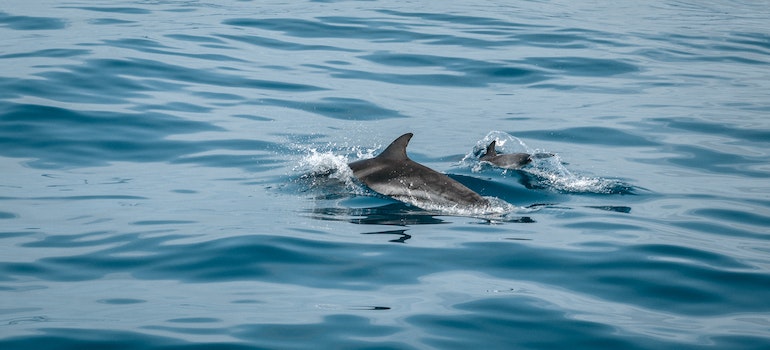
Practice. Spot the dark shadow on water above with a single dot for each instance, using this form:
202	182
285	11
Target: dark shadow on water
402	233
30	23
617	209
398	214
338	108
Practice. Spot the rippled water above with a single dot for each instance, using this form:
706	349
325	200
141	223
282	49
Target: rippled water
173	174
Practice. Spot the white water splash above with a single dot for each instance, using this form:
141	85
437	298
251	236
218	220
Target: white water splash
551	173
327	173
546	169
505	143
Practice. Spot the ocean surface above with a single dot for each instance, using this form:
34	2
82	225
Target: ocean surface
173	174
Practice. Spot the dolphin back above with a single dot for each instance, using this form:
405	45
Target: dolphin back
393	174
505	161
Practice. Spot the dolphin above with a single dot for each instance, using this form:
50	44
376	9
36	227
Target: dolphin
505	161
393	174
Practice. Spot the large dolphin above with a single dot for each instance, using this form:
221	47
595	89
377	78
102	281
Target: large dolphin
393	174
506	161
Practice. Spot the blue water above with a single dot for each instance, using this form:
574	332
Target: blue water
172	174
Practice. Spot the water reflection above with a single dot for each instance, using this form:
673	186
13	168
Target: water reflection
401	233
401	214
398	214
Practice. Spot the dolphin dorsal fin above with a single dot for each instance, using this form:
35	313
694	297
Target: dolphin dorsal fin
397	148
491	152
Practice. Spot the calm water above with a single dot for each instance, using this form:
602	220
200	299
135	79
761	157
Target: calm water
172	174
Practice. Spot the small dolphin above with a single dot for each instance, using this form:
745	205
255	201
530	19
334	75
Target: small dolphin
393	174
505	161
